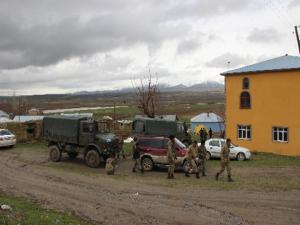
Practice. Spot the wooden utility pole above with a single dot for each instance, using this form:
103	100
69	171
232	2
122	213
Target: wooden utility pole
297	37
114	116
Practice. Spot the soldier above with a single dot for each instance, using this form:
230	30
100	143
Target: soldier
121	147
203	135
171	155
210	133
136	155
191	157
225	160
111	164
202	158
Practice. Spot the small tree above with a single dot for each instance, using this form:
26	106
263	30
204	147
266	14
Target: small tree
148	96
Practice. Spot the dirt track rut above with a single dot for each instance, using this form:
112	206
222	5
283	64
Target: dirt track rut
103	200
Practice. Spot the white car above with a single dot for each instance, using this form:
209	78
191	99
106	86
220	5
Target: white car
7	139
214	146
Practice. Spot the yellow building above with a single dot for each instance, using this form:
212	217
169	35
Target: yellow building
263	105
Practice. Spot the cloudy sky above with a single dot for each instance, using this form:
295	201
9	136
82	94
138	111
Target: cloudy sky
60	46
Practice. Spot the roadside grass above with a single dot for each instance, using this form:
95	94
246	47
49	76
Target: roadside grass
25	212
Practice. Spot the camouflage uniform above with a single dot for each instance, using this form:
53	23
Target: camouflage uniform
202	159
225	162
171	155
111	165
136	155
191	157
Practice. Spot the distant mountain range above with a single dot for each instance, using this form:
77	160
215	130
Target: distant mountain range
200	87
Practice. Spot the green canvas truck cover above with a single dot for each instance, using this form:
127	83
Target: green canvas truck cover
149	126
62	128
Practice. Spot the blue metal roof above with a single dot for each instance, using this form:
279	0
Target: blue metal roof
208	117
281	63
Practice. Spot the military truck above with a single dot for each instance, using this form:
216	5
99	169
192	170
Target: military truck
75	135
160	127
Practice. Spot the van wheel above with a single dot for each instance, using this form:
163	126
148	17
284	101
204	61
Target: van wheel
54	153
72	155
92	158
147	164
241	156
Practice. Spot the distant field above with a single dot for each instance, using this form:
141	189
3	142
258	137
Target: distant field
184	111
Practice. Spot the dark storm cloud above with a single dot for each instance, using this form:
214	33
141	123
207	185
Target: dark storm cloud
41	33
294	3
201	8
235	60
44	44
267	35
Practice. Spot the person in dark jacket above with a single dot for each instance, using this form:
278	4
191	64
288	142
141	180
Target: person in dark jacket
136	155
210	132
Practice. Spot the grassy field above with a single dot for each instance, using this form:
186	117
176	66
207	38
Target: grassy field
184	111
27	213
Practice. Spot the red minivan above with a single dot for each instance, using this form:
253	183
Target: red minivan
154	152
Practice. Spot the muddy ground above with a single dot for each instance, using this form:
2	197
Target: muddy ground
129	198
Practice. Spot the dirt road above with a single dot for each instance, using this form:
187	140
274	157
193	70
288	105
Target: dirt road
104	200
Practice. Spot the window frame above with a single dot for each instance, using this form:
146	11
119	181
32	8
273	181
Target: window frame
246	132
250	102
287	134
244	86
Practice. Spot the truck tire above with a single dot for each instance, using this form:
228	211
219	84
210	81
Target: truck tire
54	153
72	155
92	158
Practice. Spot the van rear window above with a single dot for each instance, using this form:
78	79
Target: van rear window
151	143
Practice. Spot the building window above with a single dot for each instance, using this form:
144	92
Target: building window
246	83
245	100
244	132
280	134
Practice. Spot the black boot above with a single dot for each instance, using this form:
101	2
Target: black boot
217	176
187	174
142	170
230	179
133	170
197	175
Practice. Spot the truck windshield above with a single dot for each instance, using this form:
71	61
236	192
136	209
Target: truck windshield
103	127
88	127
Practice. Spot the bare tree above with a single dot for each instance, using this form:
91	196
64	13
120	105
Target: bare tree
148	96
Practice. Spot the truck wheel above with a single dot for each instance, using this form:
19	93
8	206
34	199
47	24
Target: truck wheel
92	158
54	153
72	155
